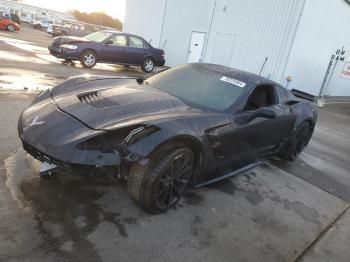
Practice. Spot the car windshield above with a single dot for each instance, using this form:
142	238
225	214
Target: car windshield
199	84
98	36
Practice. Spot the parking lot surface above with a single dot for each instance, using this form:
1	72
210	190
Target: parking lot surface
279	211
26	62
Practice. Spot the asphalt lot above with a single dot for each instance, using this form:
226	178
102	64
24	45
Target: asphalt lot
277	212
26	63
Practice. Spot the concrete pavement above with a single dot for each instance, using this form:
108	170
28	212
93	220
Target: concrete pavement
333	245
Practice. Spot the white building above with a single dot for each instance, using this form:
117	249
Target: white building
30	13
298	37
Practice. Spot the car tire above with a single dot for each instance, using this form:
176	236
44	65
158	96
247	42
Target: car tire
88	58
158	185
11	28
298	142
148	65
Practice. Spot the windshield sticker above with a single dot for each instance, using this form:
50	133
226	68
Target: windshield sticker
233	81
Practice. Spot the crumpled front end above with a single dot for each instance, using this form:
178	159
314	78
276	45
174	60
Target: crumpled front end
53	136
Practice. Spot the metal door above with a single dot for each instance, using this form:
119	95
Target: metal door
195	50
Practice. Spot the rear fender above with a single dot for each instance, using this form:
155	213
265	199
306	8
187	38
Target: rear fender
307	113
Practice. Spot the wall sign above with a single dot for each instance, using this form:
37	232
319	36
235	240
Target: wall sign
339	54
346	70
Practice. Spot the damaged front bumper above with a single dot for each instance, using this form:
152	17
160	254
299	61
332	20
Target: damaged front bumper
51	136
55	137
84	158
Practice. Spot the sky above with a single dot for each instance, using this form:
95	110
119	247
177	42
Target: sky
114	8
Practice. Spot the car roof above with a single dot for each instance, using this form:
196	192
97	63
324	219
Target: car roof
128	34
122	33
113	31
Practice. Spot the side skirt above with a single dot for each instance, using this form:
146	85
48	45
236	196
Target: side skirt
230	174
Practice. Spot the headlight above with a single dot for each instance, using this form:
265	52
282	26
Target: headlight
91	144
44	94
73	47
112	140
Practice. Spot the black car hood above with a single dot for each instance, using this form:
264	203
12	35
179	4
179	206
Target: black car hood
112	107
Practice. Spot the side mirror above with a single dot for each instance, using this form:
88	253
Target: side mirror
262	112
108	42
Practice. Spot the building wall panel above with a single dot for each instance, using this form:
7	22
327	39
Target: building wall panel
181	18
144	18
323	29
263	29
297	36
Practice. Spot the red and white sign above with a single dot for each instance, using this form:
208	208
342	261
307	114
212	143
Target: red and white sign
346	71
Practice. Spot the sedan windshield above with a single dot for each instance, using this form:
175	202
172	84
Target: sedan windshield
98	36
200	85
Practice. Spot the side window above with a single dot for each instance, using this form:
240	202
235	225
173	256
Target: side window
119	40
136	42
89	28
282	94
262	96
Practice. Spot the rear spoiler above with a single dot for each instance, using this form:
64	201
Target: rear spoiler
303	95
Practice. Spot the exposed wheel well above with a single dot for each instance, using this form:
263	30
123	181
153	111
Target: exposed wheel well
150	58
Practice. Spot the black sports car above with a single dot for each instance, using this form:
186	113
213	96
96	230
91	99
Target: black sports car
194	124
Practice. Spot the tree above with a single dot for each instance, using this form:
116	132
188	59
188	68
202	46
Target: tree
98	18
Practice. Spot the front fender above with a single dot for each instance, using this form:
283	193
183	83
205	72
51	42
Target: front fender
149	144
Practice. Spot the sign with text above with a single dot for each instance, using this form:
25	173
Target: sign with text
346	71
339	55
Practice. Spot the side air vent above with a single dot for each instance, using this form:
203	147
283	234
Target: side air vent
88	98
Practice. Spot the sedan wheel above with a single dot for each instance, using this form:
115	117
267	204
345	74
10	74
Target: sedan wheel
11	28
88	59
159	188
148	65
